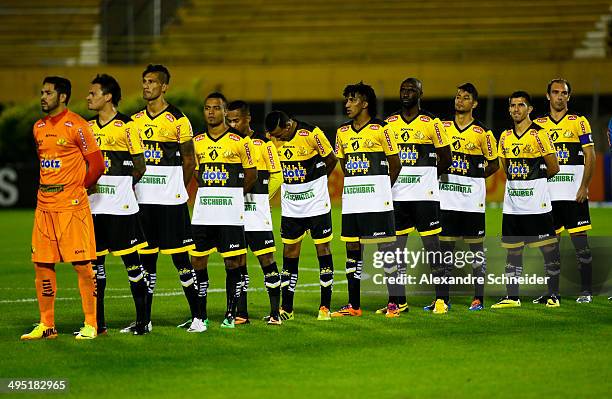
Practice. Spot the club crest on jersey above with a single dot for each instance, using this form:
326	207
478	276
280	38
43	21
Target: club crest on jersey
459	165
518	170
470	146
528	149
51	164
568	135
357	165
408	155
61	141
294	173
153	153
214	175
563	154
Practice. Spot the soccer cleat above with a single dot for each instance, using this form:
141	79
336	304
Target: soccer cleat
584	299
542	299
130	329
476	305
347	310
228	321
392	311
284	315
186	324
324	314
40	331
197	326
432	306
403	307
242	320
87	332
440	307
141	329
553	302
507	303
102	330
273	320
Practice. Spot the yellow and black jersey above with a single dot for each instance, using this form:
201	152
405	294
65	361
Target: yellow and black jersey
571	134
472	146
302	156
162	135
221	161
364	151
526	189
267	162
418	138
118	142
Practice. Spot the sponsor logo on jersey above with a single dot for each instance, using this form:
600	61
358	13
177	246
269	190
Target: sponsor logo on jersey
520	192
41	124
214	175
319	144
107	163
438	133
50	163
360	189
69	123
149	133
541	120
447	124
153	153
118	123
170	117
456	187
374	127
304	195
154	179
271	158
355	145
572	117
562	178
234	137
344	128
456	145
518	170
247	150
424	118
216	200
408	155
459	165
516	151
357	165
288	154
106	189
303	133
294	173
478	129
83	141
409	179
563	154
554	136
388	139
250	206
392	118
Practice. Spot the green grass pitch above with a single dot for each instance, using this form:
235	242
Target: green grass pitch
532	352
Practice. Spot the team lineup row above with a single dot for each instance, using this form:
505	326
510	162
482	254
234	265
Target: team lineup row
118	184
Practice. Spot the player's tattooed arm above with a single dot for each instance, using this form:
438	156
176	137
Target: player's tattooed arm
589	166
140	166
445	158
330	163
250	177
492	167
395	166
552	165
189	162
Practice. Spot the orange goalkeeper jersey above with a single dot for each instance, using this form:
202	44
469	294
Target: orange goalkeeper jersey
62	142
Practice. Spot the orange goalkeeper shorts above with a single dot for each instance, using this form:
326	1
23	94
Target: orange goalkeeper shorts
63	236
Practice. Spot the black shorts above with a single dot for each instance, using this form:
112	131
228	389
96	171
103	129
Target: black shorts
424	216
167	228
571	216
368	227
534	230
467	225
227	240
260	242
294	230
118	234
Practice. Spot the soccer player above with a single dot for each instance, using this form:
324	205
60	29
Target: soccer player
226	171
70	163
569	189
162	191
307	159
425	154
528	157
369	159
257	218
463	189
113	202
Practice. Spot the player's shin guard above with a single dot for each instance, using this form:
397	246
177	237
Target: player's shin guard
87	287
289	277
354	265
438	267
479	270
242	303
233	289
514	269
202	278
100	271
138	285
326	279
552	267
46	287
585	262
272	281
188	281
149	263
